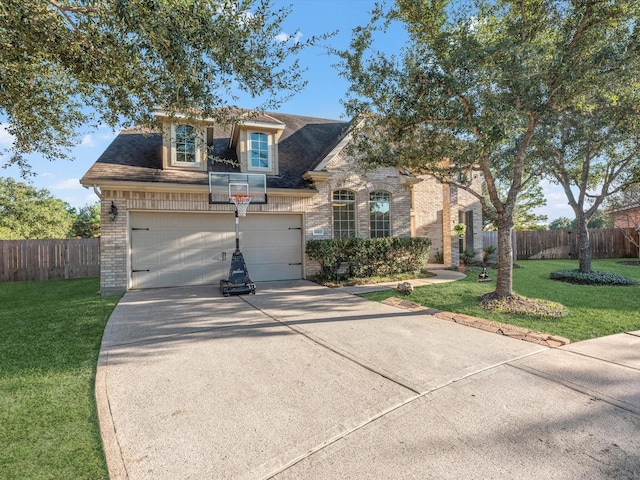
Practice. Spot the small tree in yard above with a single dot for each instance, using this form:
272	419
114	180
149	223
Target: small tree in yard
470	91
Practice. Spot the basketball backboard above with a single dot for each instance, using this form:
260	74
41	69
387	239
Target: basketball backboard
223	185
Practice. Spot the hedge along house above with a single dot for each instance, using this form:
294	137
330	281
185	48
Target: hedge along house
159	229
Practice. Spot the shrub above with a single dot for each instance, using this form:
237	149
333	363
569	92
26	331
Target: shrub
593	278
468	255
369	257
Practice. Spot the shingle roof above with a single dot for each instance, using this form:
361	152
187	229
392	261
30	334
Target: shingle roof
136	155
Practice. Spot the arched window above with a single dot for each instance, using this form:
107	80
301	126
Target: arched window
185	144
344	214
259	151
379	214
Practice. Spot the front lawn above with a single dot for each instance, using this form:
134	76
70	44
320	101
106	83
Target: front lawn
50	335
592	311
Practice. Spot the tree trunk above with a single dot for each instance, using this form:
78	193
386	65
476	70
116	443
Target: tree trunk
504	280
584	248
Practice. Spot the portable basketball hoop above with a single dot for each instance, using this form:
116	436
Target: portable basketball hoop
241	202
241	189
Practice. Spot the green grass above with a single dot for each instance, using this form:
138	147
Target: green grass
50	335
592	311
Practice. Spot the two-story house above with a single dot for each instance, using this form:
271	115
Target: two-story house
159	228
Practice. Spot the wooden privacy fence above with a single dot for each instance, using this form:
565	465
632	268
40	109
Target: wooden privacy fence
563	244
22	260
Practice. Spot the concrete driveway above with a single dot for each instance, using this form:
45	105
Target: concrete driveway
305	382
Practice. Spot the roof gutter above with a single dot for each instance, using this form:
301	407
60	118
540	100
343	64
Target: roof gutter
184	188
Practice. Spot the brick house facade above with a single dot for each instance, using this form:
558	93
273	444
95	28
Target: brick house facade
158	199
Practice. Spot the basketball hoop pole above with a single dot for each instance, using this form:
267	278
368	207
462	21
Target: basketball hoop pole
237	231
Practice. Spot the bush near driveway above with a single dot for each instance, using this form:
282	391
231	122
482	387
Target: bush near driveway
369	257
50	334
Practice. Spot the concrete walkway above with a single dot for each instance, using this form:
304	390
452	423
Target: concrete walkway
442	275
305	382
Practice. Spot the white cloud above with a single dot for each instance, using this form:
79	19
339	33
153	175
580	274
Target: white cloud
87	141
91	198
6	139
67	184
285	37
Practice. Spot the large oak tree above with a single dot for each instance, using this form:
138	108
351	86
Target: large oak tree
472	86
69	65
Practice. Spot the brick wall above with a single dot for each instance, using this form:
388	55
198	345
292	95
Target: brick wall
424	217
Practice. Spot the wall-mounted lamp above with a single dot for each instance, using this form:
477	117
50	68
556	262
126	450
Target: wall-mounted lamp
113	212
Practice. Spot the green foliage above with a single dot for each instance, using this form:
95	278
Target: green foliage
562	223
475	83
460	229
86	223
468	255
488	250
28	213
599	220
592	278
529	198
369	257
50	336
439	256
69	65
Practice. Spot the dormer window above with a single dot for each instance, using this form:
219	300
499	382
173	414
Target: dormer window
188	146
255	141
185	144
259	151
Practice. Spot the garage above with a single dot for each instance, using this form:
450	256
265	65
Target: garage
177	249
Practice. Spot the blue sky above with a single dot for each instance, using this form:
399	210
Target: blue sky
321	98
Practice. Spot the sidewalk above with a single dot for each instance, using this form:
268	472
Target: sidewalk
443	275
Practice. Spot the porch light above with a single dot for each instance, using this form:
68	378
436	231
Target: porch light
113	212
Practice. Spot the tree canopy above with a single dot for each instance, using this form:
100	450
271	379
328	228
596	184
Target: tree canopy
69	65
473	85
86	221
28	213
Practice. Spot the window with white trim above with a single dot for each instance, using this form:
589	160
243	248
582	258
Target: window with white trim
259	151
344	214
379	214
185	150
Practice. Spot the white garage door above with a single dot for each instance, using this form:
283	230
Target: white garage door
175	249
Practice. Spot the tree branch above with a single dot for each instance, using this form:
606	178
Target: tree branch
63	9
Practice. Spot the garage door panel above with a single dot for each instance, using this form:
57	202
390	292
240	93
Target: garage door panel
271	256
269	272
196	248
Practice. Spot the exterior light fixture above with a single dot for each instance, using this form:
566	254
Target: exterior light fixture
113	212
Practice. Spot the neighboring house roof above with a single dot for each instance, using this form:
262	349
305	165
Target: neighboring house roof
136	155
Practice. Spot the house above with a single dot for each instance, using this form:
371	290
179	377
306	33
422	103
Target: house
159	228
626	213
